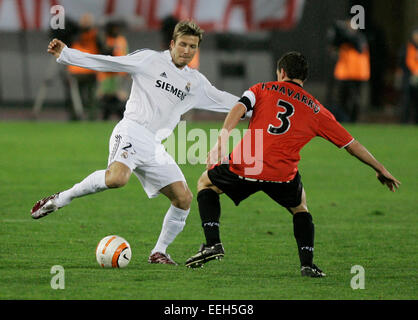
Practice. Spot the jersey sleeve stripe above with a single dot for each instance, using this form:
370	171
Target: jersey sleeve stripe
346	145
137	51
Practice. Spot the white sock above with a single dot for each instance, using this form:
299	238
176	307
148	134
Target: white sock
174	222
94	183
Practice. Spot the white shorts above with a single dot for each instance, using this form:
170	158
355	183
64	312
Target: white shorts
137	148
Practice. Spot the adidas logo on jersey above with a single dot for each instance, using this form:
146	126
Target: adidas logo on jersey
164	75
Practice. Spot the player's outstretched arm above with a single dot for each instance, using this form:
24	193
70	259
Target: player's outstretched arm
360	152
55	47
97	62
231	121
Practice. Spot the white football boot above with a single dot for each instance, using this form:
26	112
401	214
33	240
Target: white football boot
44	207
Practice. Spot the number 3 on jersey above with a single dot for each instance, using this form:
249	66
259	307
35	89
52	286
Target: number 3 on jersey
284	117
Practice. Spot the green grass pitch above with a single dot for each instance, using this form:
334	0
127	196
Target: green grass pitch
357	220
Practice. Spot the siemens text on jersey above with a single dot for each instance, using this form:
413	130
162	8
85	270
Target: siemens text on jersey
170	88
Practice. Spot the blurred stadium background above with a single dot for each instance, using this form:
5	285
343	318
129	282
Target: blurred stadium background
242	42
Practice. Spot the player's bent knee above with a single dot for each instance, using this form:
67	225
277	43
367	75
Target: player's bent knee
203	182
116	182
300	208
184	200
115	179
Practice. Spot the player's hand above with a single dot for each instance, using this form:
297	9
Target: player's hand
213	156
387	179
216	154
55	47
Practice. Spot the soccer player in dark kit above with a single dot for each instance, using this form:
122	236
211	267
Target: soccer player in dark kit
288	117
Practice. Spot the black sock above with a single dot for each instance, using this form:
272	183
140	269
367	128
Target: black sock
304	232
210	212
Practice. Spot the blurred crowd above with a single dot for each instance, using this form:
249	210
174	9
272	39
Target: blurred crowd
407	74
355	65
356	58
94	95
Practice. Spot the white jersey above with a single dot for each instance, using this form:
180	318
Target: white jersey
160	91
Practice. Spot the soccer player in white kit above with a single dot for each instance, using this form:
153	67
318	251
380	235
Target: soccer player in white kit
163	89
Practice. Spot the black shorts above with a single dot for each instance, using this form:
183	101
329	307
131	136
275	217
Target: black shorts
287	194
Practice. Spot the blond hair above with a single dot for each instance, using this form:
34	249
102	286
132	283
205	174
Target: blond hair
187	28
